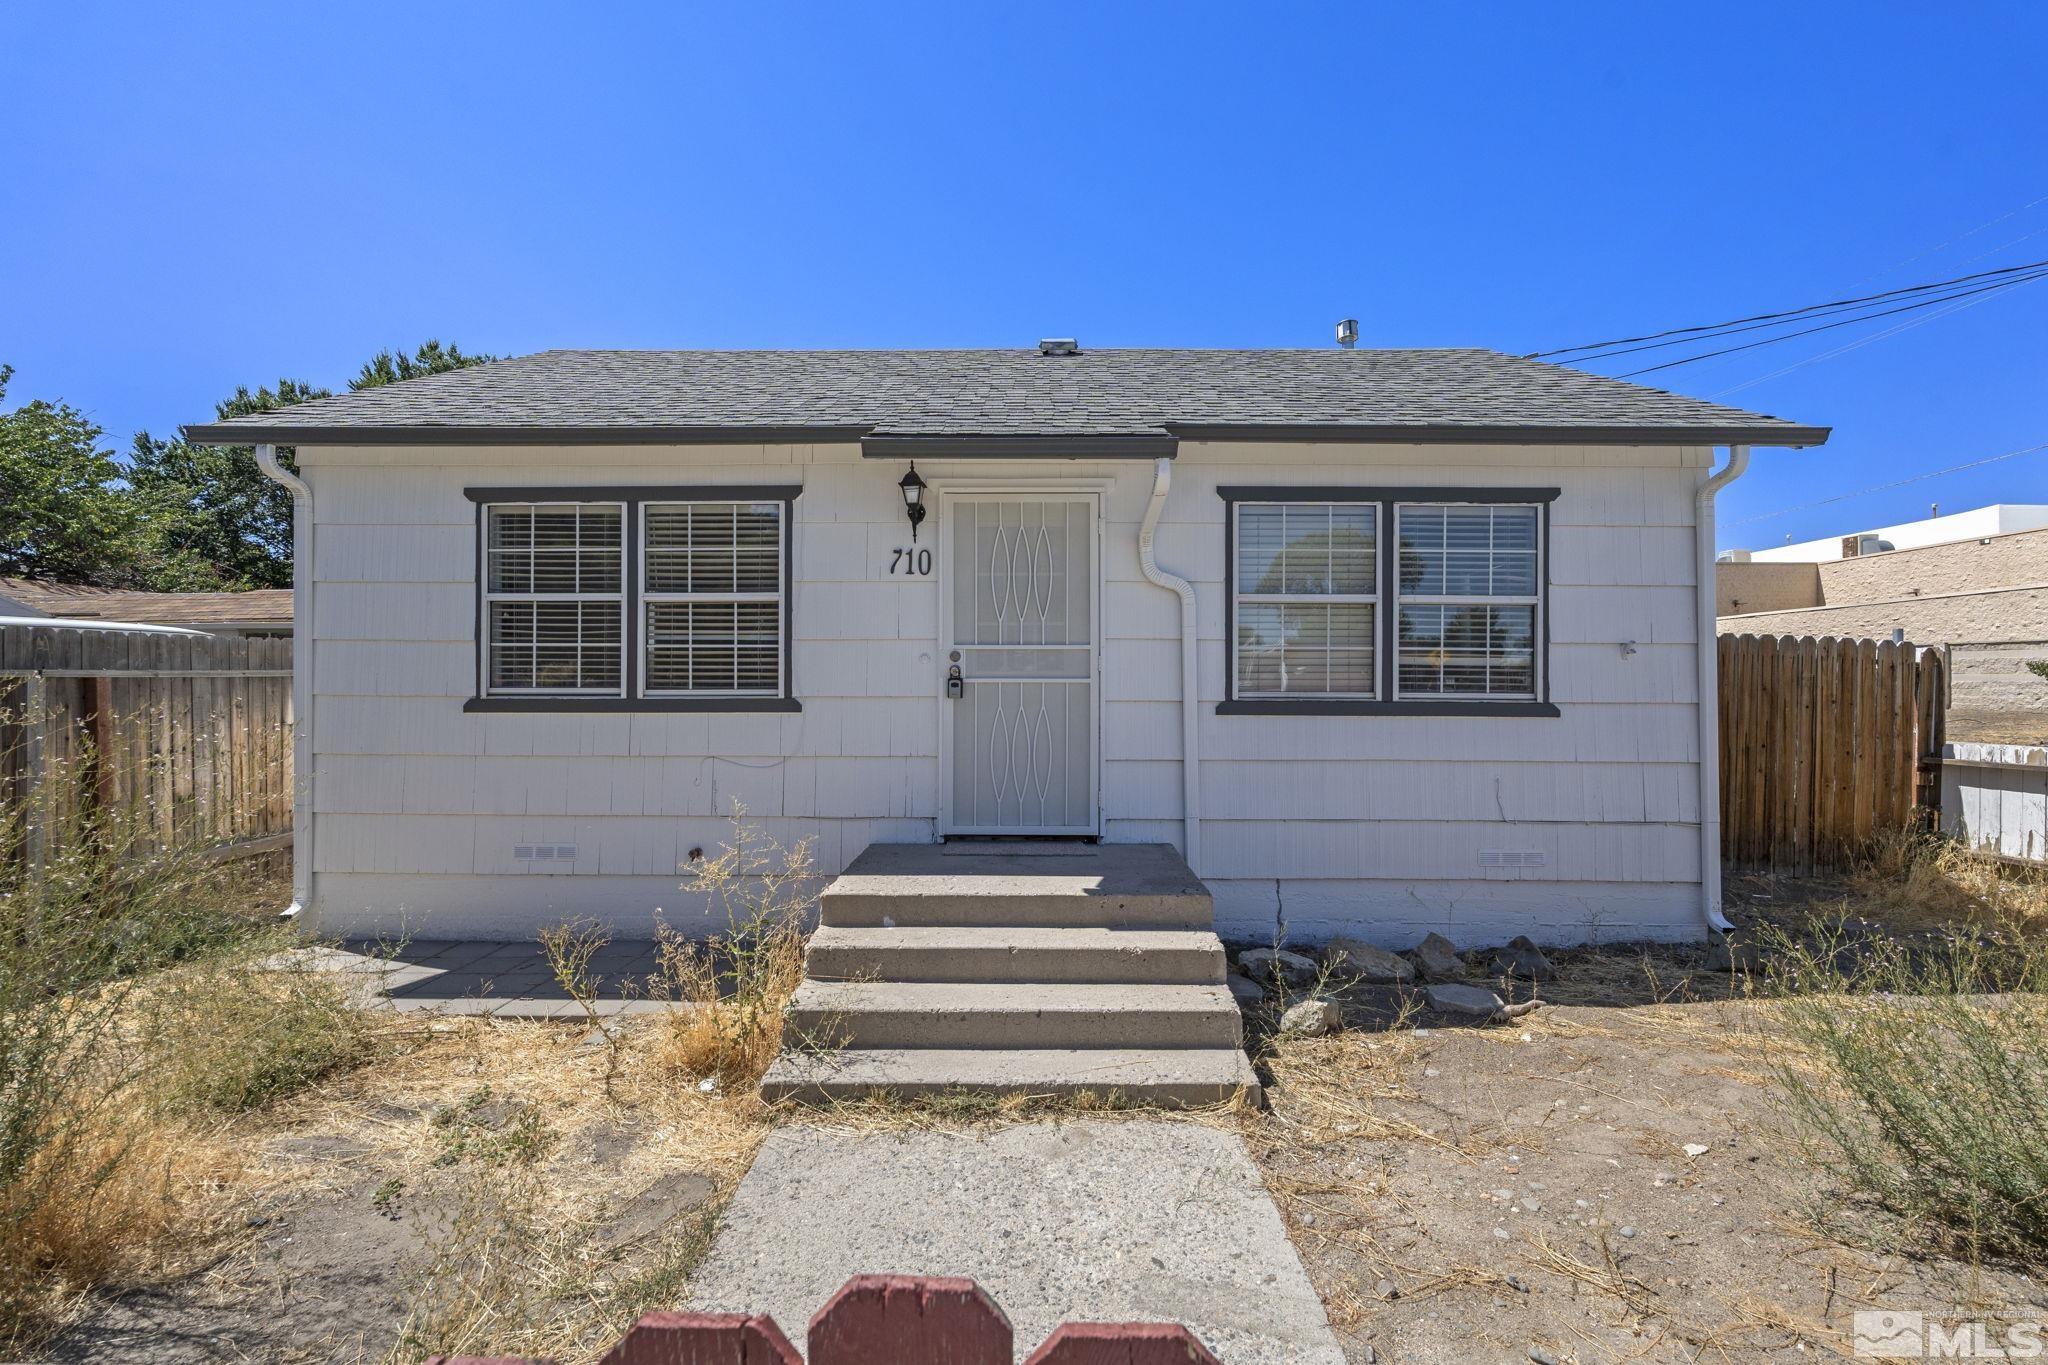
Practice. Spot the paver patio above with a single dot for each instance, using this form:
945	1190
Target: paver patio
505	980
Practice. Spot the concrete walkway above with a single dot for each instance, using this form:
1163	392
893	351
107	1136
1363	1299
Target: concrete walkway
504	980
1103	1220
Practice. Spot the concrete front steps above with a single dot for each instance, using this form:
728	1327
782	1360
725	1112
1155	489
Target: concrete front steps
1044	969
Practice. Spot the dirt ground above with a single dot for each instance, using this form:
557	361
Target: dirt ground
1606	1179
1602	1181
480	1180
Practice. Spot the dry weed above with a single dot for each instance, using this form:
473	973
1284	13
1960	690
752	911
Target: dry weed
735	984
1915	881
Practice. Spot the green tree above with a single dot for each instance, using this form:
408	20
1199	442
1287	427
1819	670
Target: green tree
432	358
63	514
215	520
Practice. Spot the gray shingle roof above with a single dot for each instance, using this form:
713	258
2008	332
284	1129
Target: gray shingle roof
1113	396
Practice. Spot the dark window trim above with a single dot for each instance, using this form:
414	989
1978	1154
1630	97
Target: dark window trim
1387	497
632	496
1339	706
602	705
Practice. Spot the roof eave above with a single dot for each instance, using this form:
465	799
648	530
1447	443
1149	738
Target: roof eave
236	434
1785	435
1114	445
1144	445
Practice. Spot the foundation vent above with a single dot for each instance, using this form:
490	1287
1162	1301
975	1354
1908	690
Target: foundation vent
1511	857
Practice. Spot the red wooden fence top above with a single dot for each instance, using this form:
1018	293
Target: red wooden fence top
1122	1343
910	1320
887	1320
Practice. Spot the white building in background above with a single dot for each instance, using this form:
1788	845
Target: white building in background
2001	518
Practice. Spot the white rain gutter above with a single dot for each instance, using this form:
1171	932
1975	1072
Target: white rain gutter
1706	694
1190	688
302	682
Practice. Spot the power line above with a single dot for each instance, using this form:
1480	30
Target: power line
1883	487
1858	343
1790	313
1779	320
1845	322
1940	247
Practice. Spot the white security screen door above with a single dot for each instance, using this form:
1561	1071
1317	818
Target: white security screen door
1021	610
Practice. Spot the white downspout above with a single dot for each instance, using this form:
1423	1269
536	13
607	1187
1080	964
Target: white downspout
1707	694
302	684
1190	681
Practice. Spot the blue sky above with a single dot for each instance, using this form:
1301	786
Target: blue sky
200	195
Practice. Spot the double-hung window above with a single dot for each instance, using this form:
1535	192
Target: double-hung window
636	599
1307	598
712	595
1361	601
554	599
1468	600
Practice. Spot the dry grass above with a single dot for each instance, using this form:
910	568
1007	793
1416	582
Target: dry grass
735	986
519	1264
1916	882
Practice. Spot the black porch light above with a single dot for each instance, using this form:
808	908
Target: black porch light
913	499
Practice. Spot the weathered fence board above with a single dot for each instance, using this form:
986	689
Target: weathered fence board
186	735
1826	744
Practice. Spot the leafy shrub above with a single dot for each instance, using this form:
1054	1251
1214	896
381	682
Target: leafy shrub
127	978
1921	1079
233	1034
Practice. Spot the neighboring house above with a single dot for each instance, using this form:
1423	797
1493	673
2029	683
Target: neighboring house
262	612
1974	582
1440	612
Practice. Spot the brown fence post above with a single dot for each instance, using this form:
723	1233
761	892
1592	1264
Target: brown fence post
910	1320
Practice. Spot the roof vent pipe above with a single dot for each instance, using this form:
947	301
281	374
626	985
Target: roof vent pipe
1059	346
1347	333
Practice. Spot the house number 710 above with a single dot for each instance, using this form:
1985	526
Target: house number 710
912	561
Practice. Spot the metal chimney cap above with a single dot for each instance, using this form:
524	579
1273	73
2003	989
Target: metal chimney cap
1059	346
1347	332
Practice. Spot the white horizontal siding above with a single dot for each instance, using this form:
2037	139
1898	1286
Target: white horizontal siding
1376	789
426	801
1423	850
1397	914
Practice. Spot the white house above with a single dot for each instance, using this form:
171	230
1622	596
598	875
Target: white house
1384	642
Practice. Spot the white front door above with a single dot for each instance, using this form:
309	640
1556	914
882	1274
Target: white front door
1021	614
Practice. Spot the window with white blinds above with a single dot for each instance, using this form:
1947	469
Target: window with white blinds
712	598
554	599
1468	600
1414	601
1307	598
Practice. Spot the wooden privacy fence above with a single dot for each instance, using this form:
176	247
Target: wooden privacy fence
185	738
1826	745
887	1320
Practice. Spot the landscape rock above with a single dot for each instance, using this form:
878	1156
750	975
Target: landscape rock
1474	1001
1247	992
1522	958
1437	959
1367	962
1262	964
1734	955
1312	1019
